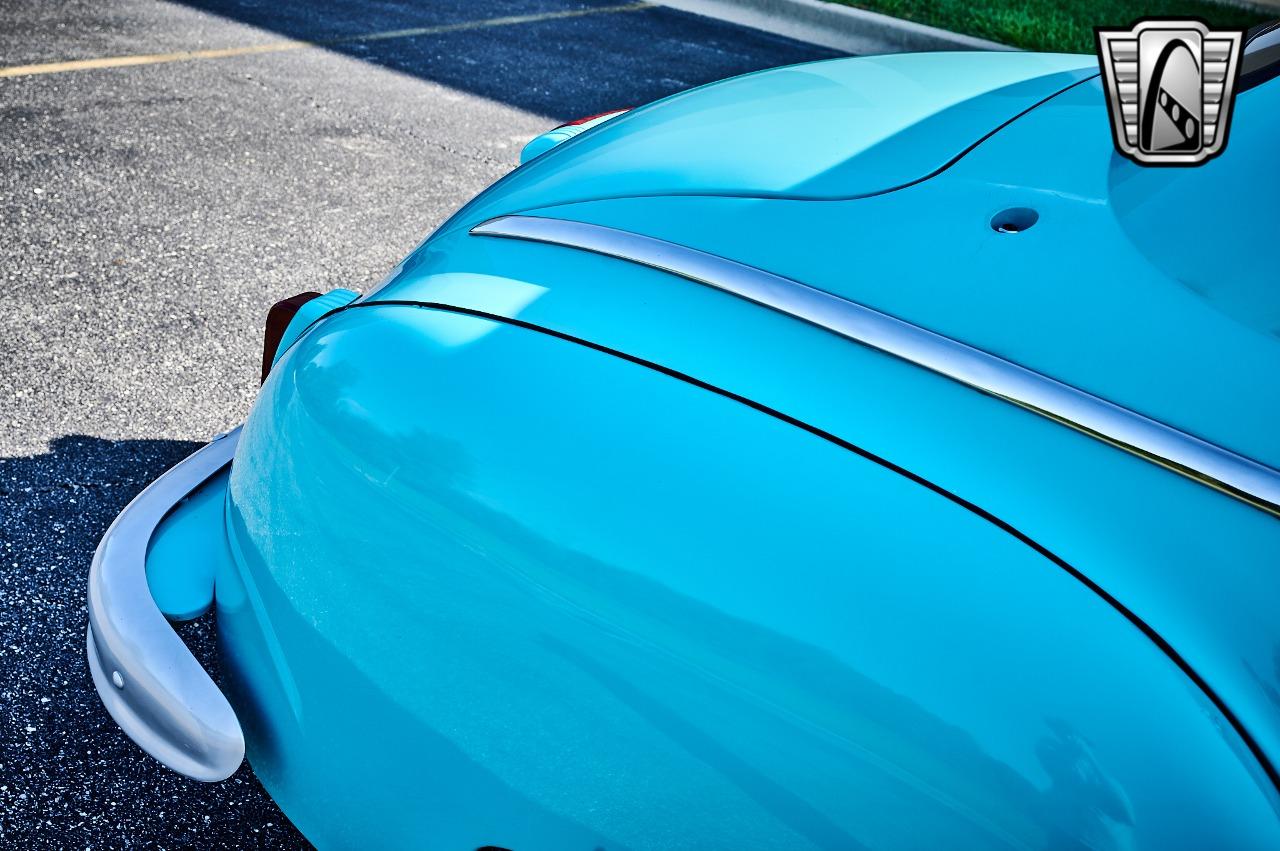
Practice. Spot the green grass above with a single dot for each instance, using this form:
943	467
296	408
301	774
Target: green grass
1058	26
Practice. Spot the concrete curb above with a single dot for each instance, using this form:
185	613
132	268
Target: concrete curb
834	25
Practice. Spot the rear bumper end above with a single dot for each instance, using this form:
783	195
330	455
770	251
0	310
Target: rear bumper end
148	680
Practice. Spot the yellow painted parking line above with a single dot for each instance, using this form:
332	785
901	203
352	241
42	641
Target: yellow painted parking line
279	46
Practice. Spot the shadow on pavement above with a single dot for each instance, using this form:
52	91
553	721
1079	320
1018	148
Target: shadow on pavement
68	776
563	68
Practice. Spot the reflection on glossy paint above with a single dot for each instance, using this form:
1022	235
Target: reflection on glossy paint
1085	806
822	130
362	765
1211	228
492	294
536	597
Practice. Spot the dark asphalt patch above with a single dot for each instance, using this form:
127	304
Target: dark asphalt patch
149	216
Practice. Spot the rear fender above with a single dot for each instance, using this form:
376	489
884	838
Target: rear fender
530	593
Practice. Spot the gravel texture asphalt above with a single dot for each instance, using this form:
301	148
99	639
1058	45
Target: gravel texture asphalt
150	214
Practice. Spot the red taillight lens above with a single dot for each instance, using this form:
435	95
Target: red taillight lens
578	121
278	319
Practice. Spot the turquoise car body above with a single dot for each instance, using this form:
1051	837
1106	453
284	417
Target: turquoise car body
536	548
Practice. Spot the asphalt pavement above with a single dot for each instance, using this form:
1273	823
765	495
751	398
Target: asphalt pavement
149	215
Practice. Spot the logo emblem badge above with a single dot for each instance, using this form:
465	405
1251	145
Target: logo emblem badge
1170	87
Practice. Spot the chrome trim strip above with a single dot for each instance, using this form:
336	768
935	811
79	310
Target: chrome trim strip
147	678
1241	477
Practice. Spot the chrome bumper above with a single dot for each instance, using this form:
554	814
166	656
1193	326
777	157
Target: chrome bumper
147	678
